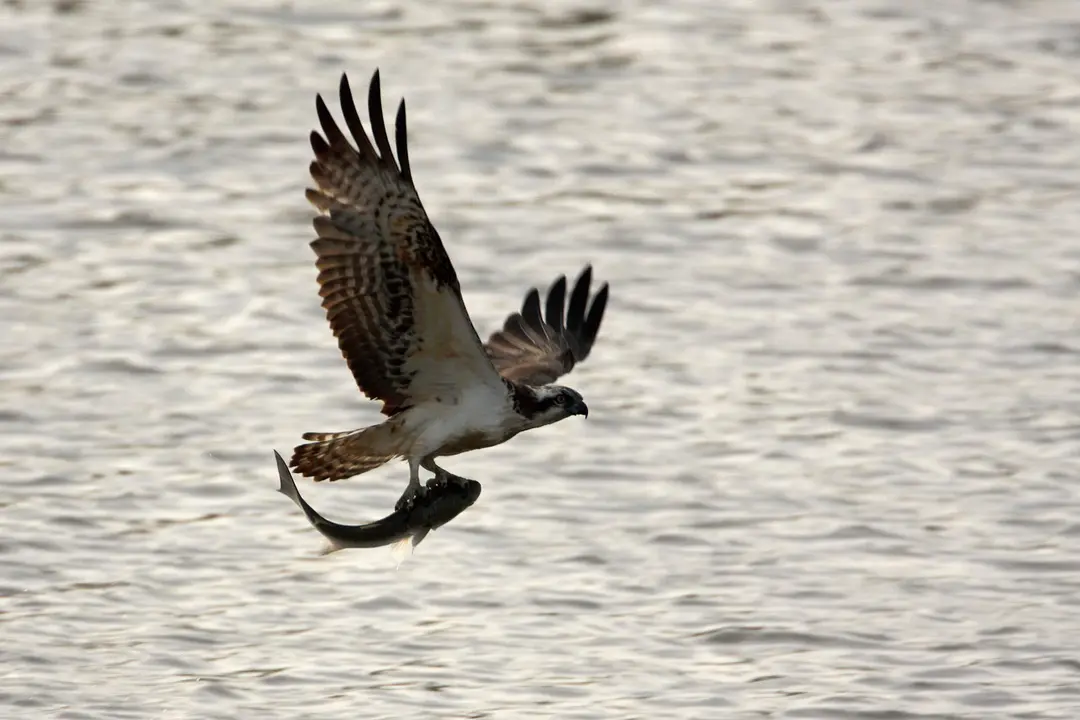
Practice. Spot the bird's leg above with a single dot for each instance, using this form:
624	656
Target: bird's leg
428	464
441	476
413	488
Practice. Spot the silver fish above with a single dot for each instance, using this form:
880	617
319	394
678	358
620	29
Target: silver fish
442	500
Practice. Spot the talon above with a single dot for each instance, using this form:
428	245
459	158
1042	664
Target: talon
409	497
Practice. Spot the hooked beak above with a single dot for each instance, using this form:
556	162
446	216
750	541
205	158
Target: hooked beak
580	408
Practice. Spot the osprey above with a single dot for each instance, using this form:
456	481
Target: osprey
394	304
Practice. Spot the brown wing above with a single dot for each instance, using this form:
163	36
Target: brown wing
388	287
534	350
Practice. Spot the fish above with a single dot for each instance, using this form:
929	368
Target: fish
443	498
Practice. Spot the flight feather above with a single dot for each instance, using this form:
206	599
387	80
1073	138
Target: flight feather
389	290
535	350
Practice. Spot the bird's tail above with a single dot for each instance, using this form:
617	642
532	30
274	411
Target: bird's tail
336	456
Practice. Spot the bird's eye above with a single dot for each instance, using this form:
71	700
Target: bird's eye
560	399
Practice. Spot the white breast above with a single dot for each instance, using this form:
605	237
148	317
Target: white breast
480	416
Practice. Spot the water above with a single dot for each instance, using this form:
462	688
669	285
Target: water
830	467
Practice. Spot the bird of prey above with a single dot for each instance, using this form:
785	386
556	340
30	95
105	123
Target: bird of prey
394	304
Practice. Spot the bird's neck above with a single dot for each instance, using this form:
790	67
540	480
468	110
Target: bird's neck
526	403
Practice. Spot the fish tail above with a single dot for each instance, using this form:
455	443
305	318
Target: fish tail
287	486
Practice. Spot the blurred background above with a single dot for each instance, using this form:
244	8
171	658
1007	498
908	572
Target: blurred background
830	466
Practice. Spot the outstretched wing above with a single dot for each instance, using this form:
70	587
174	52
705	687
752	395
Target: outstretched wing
388	287
535	350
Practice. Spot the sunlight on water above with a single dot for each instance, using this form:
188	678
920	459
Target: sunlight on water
829	468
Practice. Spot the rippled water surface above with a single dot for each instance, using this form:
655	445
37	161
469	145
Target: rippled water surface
831	465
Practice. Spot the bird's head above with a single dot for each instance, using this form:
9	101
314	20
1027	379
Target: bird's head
555	403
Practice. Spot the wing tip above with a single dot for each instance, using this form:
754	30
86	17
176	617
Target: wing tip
378	122
530	311
579	300
344	89
326	121
378	147
590	328
375	87
603	291
402	137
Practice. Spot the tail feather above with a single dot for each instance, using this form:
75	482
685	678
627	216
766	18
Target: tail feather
336	456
